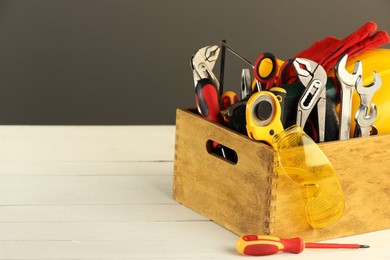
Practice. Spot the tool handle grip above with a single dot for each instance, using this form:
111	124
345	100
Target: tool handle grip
208	100
293	245
259	245
228	98
281	95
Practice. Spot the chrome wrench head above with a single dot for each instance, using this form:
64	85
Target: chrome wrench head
347	82
364	121
344	76
367	92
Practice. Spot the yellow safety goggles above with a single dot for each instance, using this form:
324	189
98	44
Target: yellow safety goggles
304	163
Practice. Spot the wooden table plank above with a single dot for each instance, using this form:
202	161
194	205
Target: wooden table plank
98	213
85	190
113	240
86	143
77	192
106	231
159	241
81	168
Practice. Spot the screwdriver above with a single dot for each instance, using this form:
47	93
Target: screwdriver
261	245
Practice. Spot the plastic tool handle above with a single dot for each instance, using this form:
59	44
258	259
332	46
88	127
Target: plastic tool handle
208	100
228	98
281	95
258	245
265	69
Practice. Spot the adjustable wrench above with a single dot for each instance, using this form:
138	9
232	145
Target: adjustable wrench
348	82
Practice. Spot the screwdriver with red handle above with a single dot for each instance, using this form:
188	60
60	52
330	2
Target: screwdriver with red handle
261	245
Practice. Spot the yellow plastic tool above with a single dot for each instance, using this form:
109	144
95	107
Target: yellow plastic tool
265	70
262	115
375	60
304	163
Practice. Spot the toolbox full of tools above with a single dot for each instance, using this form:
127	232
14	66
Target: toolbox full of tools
301	150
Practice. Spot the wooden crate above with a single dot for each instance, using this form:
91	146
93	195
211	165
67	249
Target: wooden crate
249	197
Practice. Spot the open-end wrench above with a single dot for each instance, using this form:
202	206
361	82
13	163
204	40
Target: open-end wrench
347	82
367	92
364	121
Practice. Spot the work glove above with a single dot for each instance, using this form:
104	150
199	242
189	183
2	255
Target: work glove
329	50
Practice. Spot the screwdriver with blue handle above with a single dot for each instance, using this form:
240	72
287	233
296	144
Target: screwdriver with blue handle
261	245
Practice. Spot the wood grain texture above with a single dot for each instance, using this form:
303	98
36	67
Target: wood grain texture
234	196
83	143
245	196
65	202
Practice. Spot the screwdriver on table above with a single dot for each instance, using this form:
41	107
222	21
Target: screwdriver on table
261	245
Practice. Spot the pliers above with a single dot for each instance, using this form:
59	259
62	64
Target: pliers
203	62
313	77
207	88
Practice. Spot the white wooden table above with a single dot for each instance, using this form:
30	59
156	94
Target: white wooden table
105	192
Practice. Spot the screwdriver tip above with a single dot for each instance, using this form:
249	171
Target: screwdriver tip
364	246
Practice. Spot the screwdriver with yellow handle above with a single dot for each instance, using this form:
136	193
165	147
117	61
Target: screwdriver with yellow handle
261	245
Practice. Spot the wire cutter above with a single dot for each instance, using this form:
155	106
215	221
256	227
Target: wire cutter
313	77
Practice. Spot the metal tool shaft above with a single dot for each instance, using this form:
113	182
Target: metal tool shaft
347	82
237	54
345	116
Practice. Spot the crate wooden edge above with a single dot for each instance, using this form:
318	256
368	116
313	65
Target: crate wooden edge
366	192
330	149
224	135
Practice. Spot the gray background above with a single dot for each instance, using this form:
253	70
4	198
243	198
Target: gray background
127	62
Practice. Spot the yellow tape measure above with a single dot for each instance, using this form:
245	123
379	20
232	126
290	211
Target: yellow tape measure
263	116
